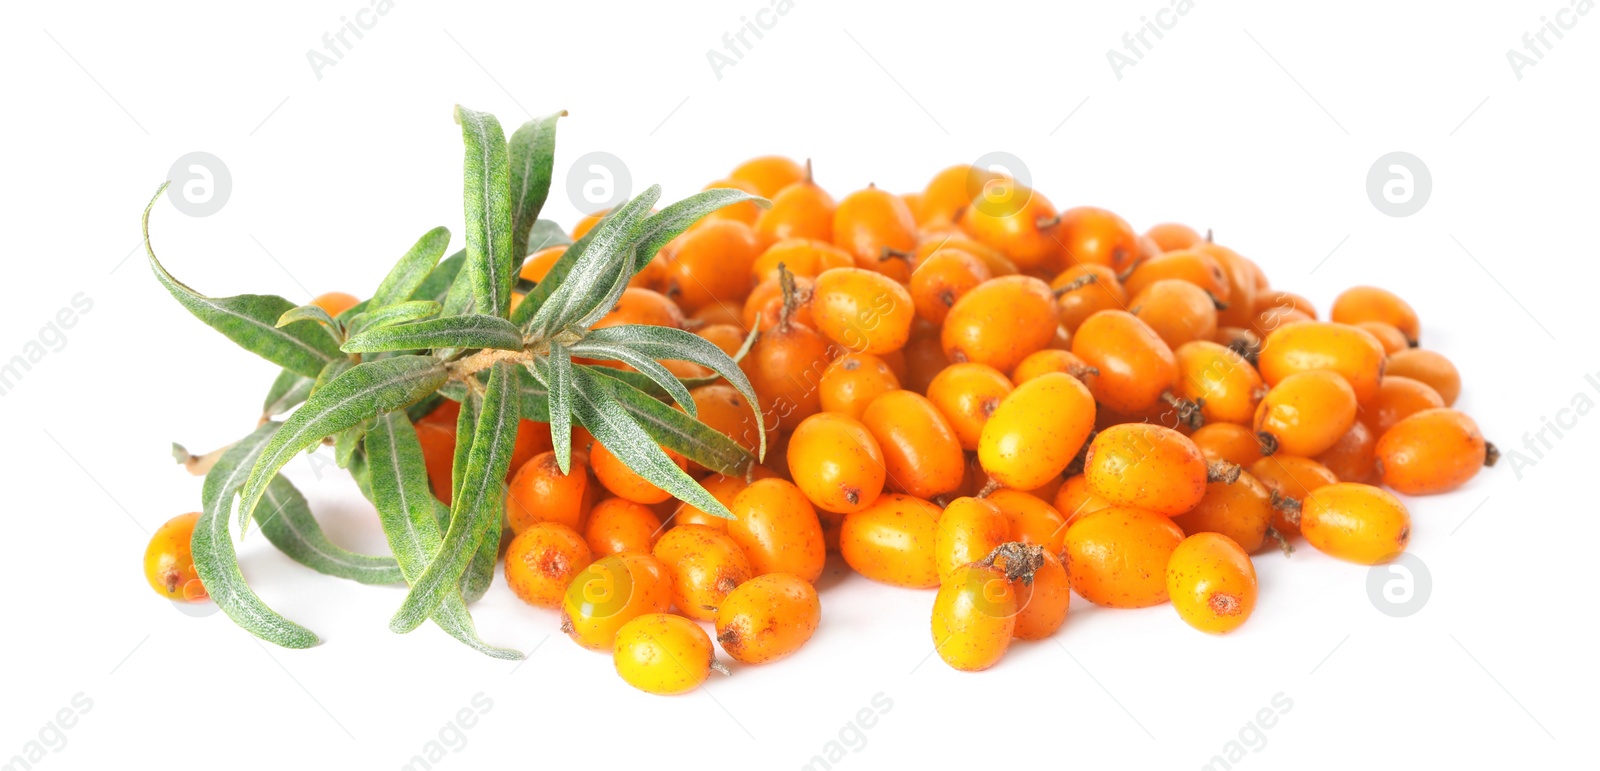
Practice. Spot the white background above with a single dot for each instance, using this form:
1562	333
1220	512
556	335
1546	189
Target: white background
1259	120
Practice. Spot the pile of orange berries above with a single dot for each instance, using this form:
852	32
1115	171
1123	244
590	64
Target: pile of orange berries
968	390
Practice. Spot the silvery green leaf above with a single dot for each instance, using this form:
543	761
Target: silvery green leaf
217	563
477	507
490	262
545	234
313	313
288	390
397	313
365	390
532	152
334	369
679	432
250	320
595	270
552	278
647	366
412	270
555	371
285	519
475	331
398	480
480	571
436	286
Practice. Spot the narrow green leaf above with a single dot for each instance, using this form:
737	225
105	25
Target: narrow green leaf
597	405
552	278
365	390
397	313
217	563
288	390
646	366
313	313
596	268
466	428
670	222
334	369
399	487
545	234
488	209
479	575
476	331
412	270
436	286
477	507
346	443
555	371
532	152
680	433
285	519
250	320
668	343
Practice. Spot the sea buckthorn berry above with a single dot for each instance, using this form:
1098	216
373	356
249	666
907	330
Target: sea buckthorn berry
663	654
541	493
710	263
1151	467
968	530
1032	520
1051	360
610	592
1433	451
335	303
941	279
1191	265
728	337
1212	583
769	174
1221	381
438	442
1369	303
778	529
718	314
745	212
169	563
1241	510
836	462
538	264
1172	236
892	541
1291	479
799	210
1430	367
1019	222
1286	301
1000	322
801	256
619	525
862	310
967	394
951	191
1074	499
852	381
705	564
1117	557
1229	442
921	454
1306	413
1239	310
723	488
642	306
1094	236
1398	398
1084	290
1356	522
931	242
924	357
767	618
1136	367
1177	310
542	561
1043	593
1392	339
725	410
623	481
1036	431
876	227
1354	458
1351	352
974	617
785	366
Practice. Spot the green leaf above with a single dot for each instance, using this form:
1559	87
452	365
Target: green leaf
532	152
597	403
668	343
596	269
215	560
490	263
552	278
285	519
466	428
436	286
479	576
365	390
346	443
680	433
334	369
475	331
250	320
477	507
311	313
408	275
670	222
288	390
545	234
397	313
399	484
555	371
646	366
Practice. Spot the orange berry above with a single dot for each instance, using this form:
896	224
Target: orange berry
1036	431
169	562
1222	382
1032	520
1095	236
1151	467
942	278
710	263
1306	412
1292	478
800	210
1398	398
1212	583
862	310
1172	236
1177	310
1241	510
1354	457
1229	442
1191	265
1074	499
541	493
619	525
1239	310
1392	339
1369	303
610	592
1135	366
1084	290
1050	360
920	451
769	174
852	381
1432	451
335	303
778	529
967	394
1356	522
1429	367
974	617
951	191
785	366
892	541
801	256
1000	322
542	561
877	228
623	481
706	565
1042	599
1019	222
767	618
1351	352
1117	557
836	462
967	531
924	357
